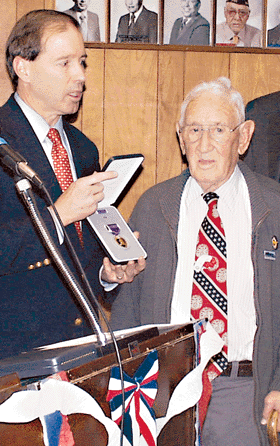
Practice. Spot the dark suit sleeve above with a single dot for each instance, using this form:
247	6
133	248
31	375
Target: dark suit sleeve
200	35
263	155
153	29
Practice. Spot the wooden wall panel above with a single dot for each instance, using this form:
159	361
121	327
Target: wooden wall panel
8	11
255	74
170	96
93	101
130	113
204	67
25	6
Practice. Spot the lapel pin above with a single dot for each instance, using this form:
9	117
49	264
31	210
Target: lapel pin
274	242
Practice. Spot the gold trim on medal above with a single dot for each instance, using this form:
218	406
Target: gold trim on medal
121	241
274	242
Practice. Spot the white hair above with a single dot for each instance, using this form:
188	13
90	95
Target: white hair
220	87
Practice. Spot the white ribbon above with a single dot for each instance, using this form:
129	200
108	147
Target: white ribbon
27	405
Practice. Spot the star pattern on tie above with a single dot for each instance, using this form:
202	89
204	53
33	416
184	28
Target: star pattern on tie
209	295
62	169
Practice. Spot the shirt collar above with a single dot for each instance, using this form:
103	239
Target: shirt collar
228	192
136	14
82	13
37	122
241	34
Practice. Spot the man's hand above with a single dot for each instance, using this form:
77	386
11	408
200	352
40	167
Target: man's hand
121	273
271	402
82	197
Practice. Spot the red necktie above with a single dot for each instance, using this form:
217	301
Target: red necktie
62	169
209	294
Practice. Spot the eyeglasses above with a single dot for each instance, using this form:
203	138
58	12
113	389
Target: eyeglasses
219	132
241	12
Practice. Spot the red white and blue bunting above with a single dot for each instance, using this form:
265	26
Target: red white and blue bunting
56	398
140	393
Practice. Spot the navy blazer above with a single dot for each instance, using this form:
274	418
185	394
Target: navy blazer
144	30
263	155
36	306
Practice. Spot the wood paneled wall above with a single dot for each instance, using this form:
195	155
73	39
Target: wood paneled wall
134	93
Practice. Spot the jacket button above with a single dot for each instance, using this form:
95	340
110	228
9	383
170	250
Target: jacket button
31	267
47	262
78	321
38	264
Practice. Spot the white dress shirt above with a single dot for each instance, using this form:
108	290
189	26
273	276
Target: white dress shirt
41	129
235	212
136	15
82	18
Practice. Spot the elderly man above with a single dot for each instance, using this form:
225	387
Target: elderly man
89	21
139	26
45	57
235	31
192	28
226	269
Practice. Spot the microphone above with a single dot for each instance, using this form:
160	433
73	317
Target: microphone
17	163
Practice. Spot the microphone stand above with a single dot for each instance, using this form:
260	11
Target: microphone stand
24	188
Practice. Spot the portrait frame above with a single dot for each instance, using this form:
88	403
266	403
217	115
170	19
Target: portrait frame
173	11
98	8
119	10
273	21
255	19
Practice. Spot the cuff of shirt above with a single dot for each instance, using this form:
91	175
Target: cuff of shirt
106	285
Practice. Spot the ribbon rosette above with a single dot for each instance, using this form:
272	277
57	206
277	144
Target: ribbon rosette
140	393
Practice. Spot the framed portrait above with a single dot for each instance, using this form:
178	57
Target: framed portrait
90	14
134	21
239	23
188	22
273	23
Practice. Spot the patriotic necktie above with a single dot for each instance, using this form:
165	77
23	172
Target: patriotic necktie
62	169
209	294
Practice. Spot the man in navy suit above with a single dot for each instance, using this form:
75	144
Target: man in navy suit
263	155
139	26
45	57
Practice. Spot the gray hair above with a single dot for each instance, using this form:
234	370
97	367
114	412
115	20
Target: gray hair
220	87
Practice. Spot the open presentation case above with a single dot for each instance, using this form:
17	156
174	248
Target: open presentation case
115	235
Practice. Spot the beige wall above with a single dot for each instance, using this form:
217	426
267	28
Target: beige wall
133	93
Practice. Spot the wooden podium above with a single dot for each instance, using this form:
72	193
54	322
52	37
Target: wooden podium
175	349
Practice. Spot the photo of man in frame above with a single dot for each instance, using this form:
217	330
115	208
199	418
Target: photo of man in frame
235	31
188	22
191	28
91	21
273	23
138	25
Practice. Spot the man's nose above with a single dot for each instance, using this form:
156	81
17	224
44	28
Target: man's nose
205	141
79	73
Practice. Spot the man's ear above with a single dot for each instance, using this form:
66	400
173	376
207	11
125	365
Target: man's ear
182	142
225	12
245	134
21	68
